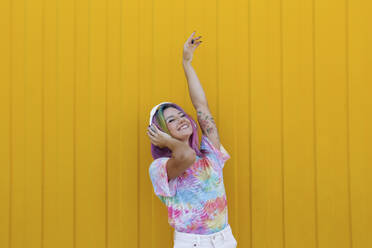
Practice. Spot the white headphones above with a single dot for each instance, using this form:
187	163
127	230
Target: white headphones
152	113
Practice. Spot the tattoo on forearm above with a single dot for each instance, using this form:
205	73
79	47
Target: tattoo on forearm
206	122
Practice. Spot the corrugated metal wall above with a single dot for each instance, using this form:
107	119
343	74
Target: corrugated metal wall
289	83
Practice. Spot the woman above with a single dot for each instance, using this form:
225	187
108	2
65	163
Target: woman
189	180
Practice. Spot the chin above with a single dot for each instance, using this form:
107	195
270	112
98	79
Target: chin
184	137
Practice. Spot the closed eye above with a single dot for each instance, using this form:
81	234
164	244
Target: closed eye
173	120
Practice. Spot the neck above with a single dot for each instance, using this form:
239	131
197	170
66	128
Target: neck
186	141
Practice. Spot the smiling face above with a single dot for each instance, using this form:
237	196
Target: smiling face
178	124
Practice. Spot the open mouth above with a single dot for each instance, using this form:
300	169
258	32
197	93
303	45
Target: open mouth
184	126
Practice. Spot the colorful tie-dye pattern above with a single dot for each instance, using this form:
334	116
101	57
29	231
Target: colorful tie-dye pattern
196	200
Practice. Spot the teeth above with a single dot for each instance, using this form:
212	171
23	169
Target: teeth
184	127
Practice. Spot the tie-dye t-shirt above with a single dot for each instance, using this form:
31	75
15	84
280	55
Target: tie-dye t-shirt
196	200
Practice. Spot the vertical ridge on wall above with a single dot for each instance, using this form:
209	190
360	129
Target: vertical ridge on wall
152	99
236	119
6	123
298	135
250	125
42	138
145	80
121	146
347	72
51	191
206	60
267	192
83	177
282	160
227	81
316	196
33	126
73	180
242	146
360	120
114	112
133	173
106	10
64	111
331	120
97	74
93	220
17	217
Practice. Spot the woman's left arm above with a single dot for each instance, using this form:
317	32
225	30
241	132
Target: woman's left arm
197	95
196	91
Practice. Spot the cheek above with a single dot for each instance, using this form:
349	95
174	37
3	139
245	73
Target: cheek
172	127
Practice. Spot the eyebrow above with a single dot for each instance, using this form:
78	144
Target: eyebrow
172	116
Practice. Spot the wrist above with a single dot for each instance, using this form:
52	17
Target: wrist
169	143
186	62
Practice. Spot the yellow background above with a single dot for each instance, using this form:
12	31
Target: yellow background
289	83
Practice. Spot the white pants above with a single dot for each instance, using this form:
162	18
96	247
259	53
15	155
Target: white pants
221	239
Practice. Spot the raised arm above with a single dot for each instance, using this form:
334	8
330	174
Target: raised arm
197	95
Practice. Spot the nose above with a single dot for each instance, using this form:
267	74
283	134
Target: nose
180	119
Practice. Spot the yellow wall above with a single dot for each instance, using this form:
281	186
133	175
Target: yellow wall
289	83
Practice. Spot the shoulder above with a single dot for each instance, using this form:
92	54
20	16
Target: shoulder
218	155
205	143
159	162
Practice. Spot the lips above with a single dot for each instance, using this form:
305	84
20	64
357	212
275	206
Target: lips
184	125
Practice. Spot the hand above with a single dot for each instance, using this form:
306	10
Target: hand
157	137
189	47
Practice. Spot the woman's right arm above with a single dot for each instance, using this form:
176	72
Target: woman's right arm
182	158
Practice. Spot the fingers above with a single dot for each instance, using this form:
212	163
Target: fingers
189	39
194	41
149	133
197	44
152	130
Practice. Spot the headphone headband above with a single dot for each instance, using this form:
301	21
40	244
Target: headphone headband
153	110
